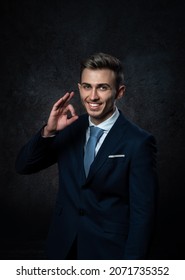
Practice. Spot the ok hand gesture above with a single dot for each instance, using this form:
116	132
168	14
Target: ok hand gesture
58	118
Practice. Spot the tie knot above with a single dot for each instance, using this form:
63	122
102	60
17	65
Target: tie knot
96	132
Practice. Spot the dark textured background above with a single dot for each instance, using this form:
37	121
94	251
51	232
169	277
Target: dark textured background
42	43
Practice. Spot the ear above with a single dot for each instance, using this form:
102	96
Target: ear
79	86
121	92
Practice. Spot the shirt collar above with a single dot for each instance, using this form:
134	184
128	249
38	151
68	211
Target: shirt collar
107	124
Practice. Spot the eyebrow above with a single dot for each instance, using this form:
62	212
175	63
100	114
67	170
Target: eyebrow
98	85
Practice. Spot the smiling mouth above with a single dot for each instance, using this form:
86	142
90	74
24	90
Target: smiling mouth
93	105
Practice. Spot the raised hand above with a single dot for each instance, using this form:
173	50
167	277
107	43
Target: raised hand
59	116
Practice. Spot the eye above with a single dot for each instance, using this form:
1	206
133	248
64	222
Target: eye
103	87
86	86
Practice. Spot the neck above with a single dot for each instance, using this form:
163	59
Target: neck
109	114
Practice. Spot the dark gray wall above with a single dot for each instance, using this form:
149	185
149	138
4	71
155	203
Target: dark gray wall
42	43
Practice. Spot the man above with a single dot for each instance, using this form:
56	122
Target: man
105	209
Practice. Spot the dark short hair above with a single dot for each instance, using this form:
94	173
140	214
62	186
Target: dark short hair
104	61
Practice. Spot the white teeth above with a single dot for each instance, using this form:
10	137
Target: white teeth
94	105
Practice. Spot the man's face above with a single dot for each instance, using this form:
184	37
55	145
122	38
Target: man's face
98	93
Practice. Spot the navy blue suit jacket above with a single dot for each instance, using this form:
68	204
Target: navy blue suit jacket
111	212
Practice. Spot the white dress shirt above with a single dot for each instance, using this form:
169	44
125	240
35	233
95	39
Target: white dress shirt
106	126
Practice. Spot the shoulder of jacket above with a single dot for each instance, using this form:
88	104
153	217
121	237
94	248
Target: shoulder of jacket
133	129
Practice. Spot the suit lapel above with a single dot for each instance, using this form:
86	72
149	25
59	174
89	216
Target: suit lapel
79	136
110	143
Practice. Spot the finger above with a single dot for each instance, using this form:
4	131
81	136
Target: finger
63	100
68	96
71	94
72	119
70	108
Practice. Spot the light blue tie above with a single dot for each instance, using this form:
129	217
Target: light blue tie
95	134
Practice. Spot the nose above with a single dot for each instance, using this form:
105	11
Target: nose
94	94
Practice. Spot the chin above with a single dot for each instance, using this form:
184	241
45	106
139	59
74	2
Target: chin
95	113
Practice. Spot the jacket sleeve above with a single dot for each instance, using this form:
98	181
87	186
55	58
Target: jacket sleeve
143	190
39	153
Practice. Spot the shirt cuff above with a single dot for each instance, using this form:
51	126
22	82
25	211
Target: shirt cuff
50	136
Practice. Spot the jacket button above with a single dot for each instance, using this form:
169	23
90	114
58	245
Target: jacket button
81	212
